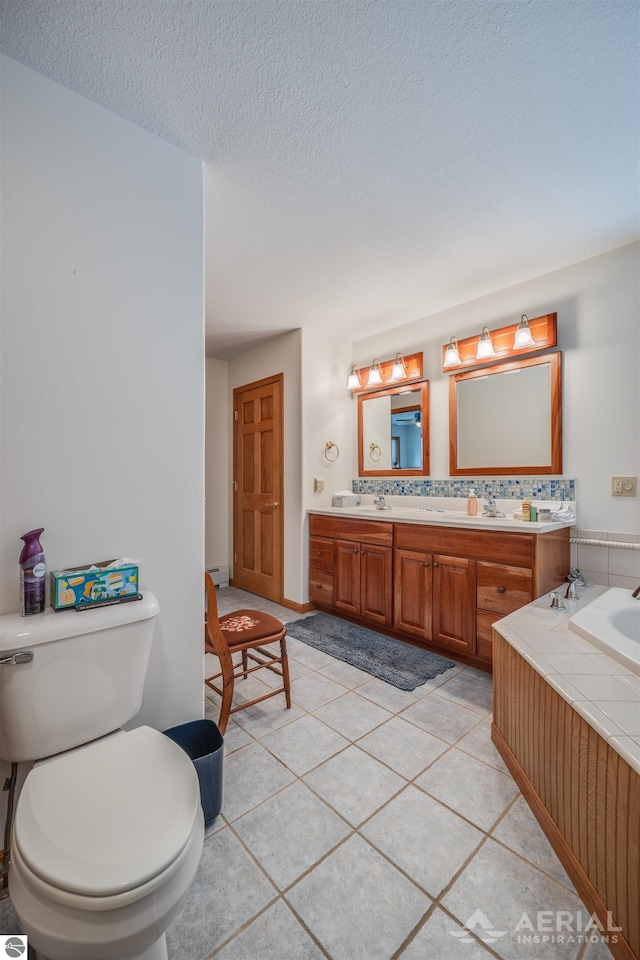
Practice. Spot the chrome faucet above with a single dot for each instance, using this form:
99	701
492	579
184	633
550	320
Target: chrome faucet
379	504
572	591
490	509
574	574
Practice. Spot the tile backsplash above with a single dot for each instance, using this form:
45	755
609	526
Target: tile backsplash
500	488
611	566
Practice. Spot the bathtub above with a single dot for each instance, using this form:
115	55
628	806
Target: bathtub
612	623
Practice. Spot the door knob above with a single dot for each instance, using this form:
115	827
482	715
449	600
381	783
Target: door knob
274	503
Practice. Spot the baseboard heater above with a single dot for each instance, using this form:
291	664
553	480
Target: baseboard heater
220	575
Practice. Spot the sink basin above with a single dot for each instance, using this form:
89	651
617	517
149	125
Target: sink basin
405	512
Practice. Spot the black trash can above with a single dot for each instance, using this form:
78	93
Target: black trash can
204	743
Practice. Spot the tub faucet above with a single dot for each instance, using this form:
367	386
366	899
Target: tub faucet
636	593
572	591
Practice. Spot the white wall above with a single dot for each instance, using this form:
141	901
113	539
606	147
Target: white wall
326	418
102	374
597	302
216	470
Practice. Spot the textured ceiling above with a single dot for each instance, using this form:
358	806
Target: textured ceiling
369	162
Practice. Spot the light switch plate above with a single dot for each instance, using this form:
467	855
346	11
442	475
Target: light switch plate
624	486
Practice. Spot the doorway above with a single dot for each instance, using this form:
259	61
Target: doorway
258	515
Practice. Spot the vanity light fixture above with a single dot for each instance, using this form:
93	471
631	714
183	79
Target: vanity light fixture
451	353
353	383
375	374
485	346
399	370
515	340
403	369
523	337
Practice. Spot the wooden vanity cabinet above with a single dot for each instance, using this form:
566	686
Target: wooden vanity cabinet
438	585
478	577
360	568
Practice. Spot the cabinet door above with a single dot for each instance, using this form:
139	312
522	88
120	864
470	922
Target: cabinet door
346	576
375	583
454	603
412	593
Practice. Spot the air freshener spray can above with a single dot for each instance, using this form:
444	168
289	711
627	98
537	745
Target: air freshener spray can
32	571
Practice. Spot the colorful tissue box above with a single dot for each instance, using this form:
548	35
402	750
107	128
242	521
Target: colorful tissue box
92	584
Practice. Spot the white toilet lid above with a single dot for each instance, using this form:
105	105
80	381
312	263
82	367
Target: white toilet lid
107	817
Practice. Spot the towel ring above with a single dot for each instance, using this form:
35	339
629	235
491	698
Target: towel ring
372	452
328	449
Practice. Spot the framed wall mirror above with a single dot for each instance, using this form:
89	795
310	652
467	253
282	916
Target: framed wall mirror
507	419
393	431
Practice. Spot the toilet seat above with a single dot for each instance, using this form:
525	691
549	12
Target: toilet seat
106	819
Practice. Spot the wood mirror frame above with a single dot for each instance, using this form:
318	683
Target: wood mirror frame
509	418
420	403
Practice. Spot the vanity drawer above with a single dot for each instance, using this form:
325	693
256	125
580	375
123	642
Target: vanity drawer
502	589
321	553
484	635
320	586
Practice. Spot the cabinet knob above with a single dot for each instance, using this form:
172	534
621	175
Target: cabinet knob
435	563
426	564
319	553
355	550
318	586
501	589
361	553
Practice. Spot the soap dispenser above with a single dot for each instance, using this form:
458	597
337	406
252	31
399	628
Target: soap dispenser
472	504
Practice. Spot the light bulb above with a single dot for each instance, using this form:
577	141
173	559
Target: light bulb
353	383
523	337
399	371
375	374
451	354
485	346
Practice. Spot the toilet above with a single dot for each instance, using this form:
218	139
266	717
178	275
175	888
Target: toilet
108	828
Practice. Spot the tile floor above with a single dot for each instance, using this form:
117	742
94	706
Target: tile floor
367	823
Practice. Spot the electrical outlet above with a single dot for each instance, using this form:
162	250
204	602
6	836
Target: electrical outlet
318	485
624	486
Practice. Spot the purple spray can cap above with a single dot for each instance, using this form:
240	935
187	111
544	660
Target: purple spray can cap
31	544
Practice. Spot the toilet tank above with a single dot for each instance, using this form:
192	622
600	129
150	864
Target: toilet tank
69	677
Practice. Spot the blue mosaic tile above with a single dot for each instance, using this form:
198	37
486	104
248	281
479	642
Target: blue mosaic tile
505	488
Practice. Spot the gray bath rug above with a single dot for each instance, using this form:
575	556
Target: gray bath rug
398	663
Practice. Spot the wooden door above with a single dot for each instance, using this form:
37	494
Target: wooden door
454	603
413	588
258	488
346	576
376	583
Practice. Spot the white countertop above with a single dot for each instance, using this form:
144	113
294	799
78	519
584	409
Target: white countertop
444	516
600	688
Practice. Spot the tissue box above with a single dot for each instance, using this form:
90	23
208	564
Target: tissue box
345	500
83	586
